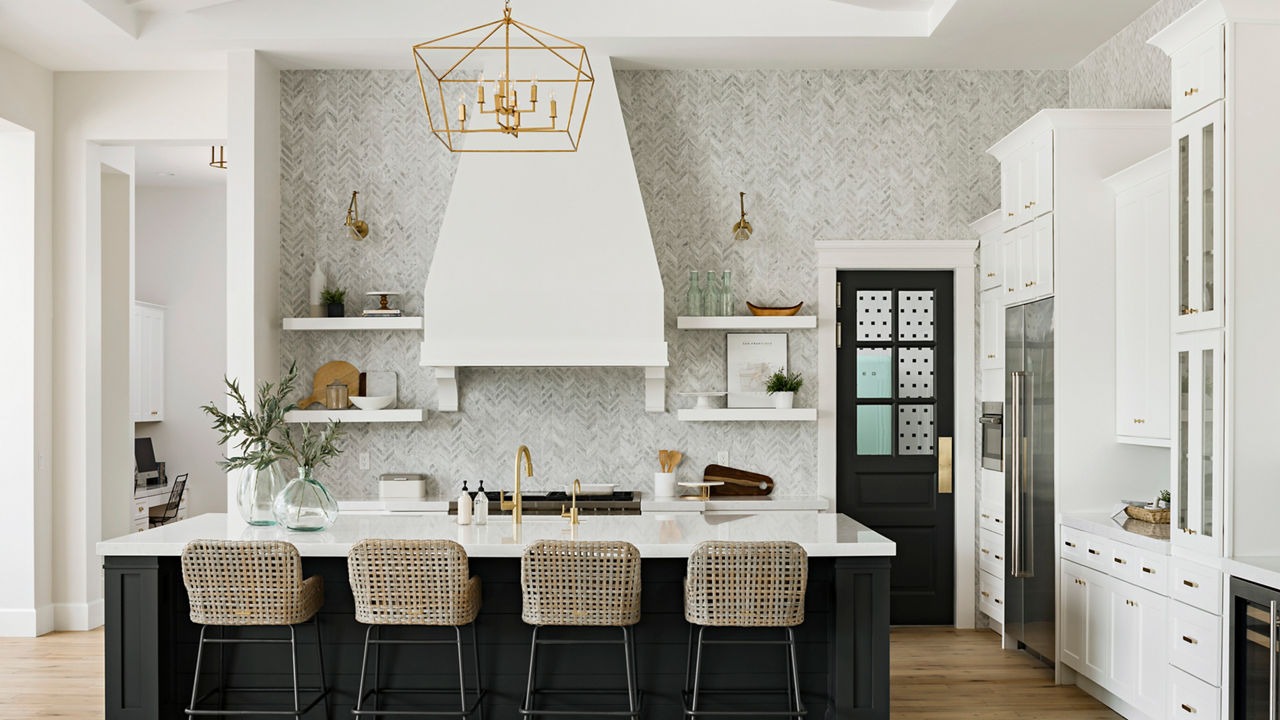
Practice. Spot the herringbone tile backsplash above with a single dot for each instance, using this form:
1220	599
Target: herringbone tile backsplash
867	155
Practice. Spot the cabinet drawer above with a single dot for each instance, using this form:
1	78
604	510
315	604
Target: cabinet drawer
1195	643
991	595
1192	699
1097	553
991	519
1072	544
991	552
1148	571
1196	585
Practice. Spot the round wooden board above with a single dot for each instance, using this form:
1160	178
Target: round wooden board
343	372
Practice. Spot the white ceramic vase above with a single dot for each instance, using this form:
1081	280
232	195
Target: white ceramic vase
784	400
664	485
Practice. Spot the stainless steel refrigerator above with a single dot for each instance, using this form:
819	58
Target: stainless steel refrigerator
1028	477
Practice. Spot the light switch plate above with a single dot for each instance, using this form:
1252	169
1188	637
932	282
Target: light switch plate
364	461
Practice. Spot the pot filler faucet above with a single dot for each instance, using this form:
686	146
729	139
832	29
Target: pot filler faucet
516	506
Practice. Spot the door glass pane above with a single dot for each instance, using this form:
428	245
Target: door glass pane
1206	446
1206	218
1184	426
875	430
875	373
915	372
915	429
915	315
875	315
1184	217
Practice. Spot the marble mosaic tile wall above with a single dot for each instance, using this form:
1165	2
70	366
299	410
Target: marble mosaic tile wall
869	155
1126	72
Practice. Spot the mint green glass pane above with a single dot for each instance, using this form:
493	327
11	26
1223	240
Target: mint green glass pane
875	372
875	430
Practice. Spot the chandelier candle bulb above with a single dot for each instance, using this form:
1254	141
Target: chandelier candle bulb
462	110
533	90
480	90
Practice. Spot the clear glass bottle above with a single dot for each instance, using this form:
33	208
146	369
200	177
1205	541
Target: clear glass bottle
259	487
711	295
693	298
726	294
480	512
304	504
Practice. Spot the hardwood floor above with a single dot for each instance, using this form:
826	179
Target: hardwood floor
937	673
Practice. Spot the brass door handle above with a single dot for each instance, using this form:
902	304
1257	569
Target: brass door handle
1192	585
986	594
944	466
1190	640
1070	544
991	274
1148	571
1094	552
1120	561
1187	708
986	551
1031	204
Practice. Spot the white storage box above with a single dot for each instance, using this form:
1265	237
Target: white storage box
402	486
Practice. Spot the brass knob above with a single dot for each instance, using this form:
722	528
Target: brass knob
991	274
1010	214
1033	202
991	356
1010	289
1195	90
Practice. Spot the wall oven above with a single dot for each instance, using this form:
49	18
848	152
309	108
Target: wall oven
992	426
1255	660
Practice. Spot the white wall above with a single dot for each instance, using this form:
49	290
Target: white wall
180	262
26	527
116	213
93	110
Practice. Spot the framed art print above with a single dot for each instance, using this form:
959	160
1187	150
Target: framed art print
750	358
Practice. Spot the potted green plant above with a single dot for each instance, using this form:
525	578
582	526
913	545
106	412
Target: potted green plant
334	300
1165	498
250	431
782	385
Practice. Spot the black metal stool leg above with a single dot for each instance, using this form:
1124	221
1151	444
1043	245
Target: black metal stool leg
324	684
533	656
795	672
222	668
629	661
688	662
697	673
462	680
475	658
377	668
364	669
293	654
195	682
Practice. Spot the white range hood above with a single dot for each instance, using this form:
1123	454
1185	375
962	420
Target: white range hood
545	260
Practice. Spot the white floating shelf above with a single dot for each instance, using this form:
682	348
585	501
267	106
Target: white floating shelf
354	323
748	415
355	416
748	322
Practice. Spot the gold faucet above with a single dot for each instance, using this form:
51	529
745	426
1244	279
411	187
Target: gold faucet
516	505
573	513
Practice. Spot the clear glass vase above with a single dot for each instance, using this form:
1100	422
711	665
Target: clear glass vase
304	505
259	487
726	294
693	298
711	296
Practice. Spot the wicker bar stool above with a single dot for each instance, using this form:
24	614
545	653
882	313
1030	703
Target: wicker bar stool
744	585
251	584
581	584
414	582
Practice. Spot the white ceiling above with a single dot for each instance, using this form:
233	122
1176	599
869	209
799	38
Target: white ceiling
196	34
176	166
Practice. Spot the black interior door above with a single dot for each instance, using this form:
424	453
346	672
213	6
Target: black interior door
894	424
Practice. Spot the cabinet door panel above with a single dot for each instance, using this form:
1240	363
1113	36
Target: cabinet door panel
1198	73
1097	634
1011	275
1041	200
1009	193
990	261
1198	441
992	329
1073	615
1199	221
1042	238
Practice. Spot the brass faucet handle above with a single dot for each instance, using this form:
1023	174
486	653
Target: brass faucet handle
571	514
503	503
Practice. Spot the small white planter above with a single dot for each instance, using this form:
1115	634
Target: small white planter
784	400
664	485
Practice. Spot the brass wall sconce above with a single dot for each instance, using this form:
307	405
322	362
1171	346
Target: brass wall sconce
217	157
358	228
742	229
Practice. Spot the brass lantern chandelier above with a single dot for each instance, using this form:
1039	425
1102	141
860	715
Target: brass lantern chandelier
507	114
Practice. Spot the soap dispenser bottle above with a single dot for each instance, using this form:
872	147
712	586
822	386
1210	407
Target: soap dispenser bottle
464	506
480	513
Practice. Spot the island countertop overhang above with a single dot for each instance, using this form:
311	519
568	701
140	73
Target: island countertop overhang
656	535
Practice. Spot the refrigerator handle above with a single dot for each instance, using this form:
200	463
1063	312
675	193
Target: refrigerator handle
1018	433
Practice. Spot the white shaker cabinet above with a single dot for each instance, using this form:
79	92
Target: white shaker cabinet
992	349
1143	260
1197	459
146	363
1028	273
1026	181
1138	664
1198	73
1199	217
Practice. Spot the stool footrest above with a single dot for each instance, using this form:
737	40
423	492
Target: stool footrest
475	704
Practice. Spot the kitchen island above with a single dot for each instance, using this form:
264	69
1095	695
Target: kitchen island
844	641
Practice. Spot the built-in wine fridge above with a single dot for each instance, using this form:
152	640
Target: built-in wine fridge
1254	651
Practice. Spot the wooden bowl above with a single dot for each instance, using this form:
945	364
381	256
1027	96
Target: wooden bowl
758	310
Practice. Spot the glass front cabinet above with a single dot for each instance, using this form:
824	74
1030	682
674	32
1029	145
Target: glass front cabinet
1199	219
1198	441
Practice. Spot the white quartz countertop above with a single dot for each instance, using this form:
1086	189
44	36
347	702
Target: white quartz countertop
657	535
648	504
1260	570
1123	529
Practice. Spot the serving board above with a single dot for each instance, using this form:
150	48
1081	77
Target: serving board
737	482
343	372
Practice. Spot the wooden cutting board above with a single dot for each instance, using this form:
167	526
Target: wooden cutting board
737	482
343	372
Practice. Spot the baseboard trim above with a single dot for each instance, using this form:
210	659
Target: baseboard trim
26	622
78	616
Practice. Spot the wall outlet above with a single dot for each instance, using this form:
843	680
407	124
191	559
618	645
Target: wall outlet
722	458
364	461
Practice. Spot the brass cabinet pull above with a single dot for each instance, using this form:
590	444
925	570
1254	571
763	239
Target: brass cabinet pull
944	466
1191	584
986	594
999	557
986	516
991	356
1068	543
999	520
998	601
1094	552
1149	571
1190	640
991	274
1120	561
1032	204
1026	207
1010	289
986	551
1188	708
1010	214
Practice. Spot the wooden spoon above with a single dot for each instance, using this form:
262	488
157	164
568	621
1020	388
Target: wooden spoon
676	456
663	457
